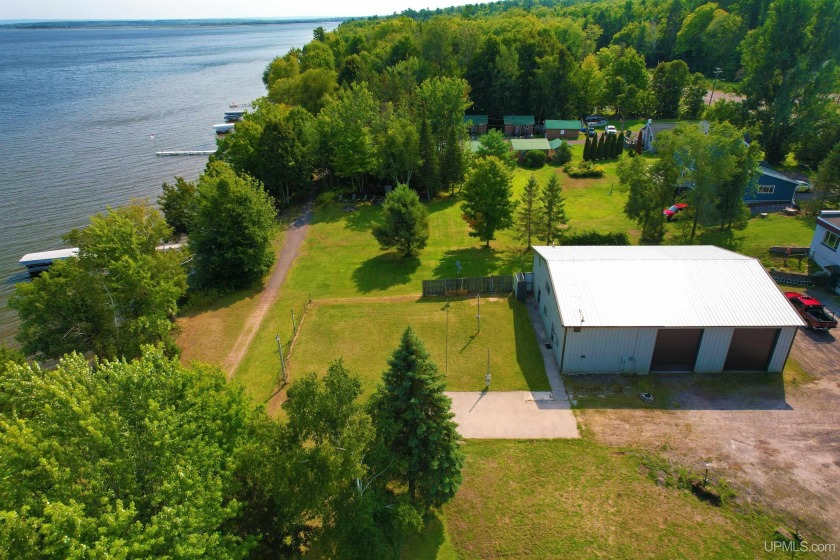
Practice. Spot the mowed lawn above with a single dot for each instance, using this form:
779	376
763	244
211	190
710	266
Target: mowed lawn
579	499
365	334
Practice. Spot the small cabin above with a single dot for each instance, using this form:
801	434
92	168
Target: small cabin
476	124
568	130
36	263
519	125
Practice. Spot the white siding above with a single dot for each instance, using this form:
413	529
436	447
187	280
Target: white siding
822	254
549	312
780	354
713	350
608	350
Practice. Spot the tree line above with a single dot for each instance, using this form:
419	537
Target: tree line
147	458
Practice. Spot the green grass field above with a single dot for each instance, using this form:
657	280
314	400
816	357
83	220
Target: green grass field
365	334
579	499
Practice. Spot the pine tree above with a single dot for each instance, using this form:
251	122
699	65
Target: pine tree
601	142
452	162
527	211
552	212
413	420
587	150
428	176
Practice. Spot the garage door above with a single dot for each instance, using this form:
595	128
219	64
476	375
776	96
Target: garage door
751	349
676	349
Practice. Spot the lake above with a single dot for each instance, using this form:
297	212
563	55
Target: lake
85	109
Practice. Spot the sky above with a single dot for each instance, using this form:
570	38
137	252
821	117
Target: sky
192	9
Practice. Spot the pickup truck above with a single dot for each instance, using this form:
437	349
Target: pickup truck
812	311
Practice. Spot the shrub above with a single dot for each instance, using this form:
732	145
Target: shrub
583	169
590	237
534	158
563	153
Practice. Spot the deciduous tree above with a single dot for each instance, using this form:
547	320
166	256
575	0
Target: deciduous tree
177	203
119	294
121	459
232	230
487	205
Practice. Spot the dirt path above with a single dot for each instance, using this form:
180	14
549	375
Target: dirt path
294	239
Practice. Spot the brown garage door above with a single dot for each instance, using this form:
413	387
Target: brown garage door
751	349
676	349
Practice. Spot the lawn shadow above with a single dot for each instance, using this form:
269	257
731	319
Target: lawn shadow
443	202
479	261
726	239
384	271
679	391
204	301
363	218
427	544
527	347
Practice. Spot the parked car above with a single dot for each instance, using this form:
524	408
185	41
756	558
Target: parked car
672	211
595	120
812	311
803	186
610	129
590	131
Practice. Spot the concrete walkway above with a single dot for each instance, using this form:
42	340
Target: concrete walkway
519	414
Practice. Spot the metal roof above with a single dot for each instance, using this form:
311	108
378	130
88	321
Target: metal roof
555	143
562	125
671	286
520	120
476	119
525	144
48	256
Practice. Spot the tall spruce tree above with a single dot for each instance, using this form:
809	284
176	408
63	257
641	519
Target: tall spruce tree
428	176
413	420
527	211
587	149
552	214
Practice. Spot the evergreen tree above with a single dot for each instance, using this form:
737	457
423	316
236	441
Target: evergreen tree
601	142
452	162
587	150
413	420
406	222
428	176
552	213
527	211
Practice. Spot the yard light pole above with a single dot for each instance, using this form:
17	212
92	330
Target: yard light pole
706	475
714	83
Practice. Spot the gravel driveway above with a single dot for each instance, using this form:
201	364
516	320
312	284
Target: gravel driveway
777	443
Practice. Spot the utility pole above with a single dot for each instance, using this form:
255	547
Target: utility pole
478	317
714	83
294	326
282	360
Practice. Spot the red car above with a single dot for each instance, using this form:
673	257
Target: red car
674	210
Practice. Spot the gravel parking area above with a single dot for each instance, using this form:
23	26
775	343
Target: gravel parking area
775	440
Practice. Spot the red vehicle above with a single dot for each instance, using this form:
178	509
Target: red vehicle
812	311
674	210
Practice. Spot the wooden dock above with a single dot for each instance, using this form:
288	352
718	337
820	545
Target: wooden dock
186	153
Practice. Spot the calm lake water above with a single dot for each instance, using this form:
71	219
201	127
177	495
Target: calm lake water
80	107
